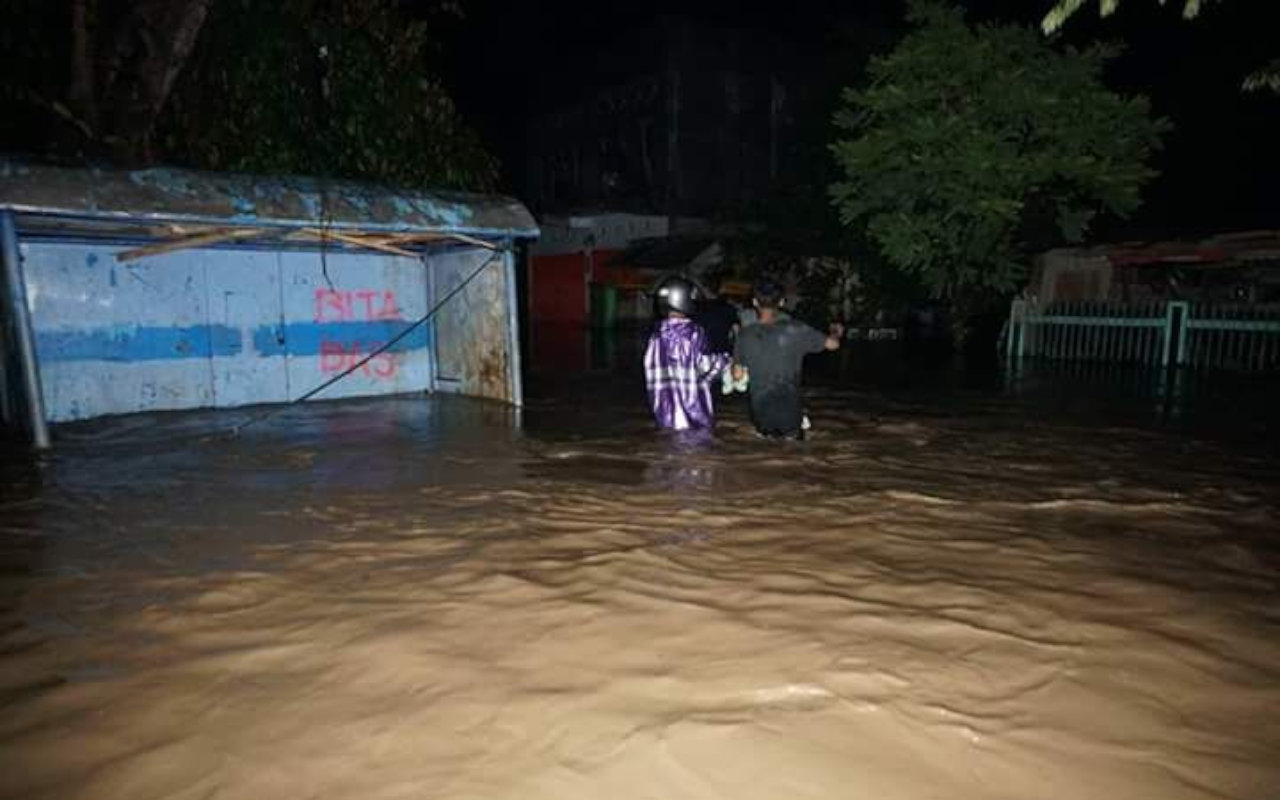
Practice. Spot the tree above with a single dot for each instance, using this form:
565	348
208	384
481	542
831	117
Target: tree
1267	77
968	149
342	88
110	72
1065	9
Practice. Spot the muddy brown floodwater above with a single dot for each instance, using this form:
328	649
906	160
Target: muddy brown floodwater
429	598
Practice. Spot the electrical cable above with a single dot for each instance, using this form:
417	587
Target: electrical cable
271	412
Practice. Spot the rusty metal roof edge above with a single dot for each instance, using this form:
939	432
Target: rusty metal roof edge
169	195
283	224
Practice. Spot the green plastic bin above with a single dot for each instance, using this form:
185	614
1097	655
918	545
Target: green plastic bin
604	305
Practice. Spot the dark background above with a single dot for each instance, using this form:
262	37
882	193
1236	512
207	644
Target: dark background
509	64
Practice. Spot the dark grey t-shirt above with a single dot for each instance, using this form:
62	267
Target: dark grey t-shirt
774	355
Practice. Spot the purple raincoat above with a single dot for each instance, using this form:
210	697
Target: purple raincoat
678	372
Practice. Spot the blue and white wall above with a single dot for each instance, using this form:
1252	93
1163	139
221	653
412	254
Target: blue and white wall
221	327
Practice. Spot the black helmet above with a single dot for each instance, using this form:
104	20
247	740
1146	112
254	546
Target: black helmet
675	294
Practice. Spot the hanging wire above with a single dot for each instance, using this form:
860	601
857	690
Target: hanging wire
271	412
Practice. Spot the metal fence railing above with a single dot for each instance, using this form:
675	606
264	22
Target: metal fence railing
1167	334
1231	337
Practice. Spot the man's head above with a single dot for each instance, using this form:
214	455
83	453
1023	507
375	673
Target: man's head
768	299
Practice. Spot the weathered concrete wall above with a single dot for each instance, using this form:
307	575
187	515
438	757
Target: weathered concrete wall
220	328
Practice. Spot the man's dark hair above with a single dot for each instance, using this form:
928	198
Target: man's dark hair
768	295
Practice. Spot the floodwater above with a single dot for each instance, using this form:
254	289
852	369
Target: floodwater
964	596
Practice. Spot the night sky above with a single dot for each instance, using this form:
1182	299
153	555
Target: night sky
1220	166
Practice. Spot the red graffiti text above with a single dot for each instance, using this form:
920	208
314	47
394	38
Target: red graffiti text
342	356
363	305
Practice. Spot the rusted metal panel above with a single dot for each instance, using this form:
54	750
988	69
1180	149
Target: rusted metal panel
177	195
472	334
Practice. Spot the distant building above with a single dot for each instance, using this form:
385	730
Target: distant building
572	255
1212	304
596	269
1228	268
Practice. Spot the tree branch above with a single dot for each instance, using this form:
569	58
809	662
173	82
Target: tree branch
80	92
57	109
149	52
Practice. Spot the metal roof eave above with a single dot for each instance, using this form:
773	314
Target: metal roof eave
496	234
185	197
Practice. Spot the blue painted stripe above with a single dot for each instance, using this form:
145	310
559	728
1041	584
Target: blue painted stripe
142	343
138	343
312	338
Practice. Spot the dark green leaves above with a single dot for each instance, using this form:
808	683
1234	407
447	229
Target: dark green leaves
963	140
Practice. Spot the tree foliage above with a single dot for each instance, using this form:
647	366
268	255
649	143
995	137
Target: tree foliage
341	88
328	87
1063	10
92	76
1267	77
967	149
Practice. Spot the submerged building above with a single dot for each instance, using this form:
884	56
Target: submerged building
163	289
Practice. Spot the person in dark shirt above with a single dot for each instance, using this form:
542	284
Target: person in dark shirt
771	354
719	318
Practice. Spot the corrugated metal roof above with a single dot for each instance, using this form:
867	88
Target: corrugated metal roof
177	196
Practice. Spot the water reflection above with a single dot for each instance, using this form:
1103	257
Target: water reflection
1218	403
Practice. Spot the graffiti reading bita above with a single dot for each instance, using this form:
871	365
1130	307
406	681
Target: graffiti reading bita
365	305
351	305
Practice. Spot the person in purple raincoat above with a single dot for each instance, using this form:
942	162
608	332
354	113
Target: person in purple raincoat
678	365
